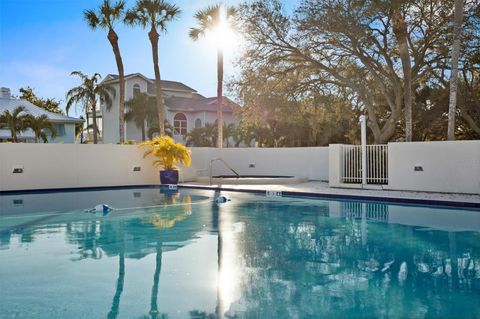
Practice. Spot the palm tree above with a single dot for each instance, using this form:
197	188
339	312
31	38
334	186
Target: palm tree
215	18
139	108
106	17
154	14
154	129
38	125
457	34
198	137
86	94
229	130
16	121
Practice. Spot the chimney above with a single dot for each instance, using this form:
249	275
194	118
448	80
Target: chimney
4	93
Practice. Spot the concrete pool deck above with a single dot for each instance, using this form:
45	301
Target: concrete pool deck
319	188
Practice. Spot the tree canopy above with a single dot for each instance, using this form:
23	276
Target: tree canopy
49	104
326	62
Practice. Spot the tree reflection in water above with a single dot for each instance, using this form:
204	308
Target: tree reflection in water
109	238
290	259
296	262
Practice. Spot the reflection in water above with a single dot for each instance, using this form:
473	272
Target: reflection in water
118	292
282	258
300	265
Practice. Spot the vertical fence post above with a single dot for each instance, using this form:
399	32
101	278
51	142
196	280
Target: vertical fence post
363	129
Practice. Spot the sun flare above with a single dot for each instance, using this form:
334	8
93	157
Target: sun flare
223	35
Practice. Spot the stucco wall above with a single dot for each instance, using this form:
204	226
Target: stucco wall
73	165
69	136
304	162
452	166
76	165
447	166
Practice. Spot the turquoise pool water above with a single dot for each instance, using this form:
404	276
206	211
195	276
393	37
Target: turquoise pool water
183	256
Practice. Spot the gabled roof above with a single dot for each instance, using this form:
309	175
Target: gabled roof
196	104
11	104
166	85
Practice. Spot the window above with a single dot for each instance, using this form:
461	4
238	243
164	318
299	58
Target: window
60	129
180	124
198	123
136	89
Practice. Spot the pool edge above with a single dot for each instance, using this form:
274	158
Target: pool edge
386	199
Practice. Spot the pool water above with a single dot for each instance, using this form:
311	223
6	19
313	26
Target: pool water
165	254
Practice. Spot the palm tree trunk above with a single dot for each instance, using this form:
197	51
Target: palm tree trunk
113	38
14	135
153	36
94	118
457	34
118	291
400	30
143	131
88	124
219	97
156	277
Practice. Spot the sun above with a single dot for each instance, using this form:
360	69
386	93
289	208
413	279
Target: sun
223	36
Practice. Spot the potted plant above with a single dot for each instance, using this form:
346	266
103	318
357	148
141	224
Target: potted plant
169	154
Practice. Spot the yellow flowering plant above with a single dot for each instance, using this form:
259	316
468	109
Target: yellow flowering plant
168	152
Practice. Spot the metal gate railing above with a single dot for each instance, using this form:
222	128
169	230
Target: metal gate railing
376	164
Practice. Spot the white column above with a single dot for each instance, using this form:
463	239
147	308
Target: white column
363	129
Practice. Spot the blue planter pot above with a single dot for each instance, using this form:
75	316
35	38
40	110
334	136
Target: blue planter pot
169	176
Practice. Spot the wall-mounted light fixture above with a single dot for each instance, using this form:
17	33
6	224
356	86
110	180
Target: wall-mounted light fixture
17	169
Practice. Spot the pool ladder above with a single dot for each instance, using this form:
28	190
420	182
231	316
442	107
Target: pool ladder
224	163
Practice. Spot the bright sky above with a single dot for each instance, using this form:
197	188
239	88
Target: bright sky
42	41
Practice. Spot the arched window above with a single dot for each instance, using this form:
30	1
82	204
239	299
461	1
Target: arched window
136	89
180	124
198	123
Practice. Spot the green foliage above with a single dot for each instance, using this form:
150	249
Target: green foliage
16	121
315	70
41	125
210	18
106	16
129	142
51	105
140	108
152	13
88	94
202	136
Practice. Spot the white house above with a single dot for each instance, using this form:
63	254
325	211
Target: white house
185	108
64	125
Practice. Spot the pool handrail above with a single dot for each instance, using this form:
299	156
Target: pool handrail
224	163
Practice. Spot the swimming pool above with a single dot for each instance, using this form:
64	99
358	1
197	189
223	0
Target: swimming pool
167	254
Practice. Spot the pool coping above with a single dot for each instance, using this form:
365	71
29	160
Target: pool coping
318	195
370	198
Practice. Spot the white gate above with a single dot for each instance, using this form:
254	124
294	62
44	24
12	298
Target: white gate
376	164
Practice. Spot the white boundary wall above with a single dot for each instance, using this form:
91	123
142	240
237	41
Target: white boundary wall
301	162
75	165
450	166
447	166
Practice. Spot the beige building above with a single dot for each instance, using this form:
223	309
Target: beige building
185	108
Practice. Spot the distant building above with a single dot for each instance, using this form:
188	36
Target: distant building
64	125
185	108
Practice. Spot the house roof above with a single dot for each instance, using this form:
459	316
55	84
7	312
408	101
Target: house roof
166	85
195	104
11	104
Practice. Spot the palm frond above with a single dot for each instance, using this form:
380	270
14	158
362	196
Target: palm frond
91	18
